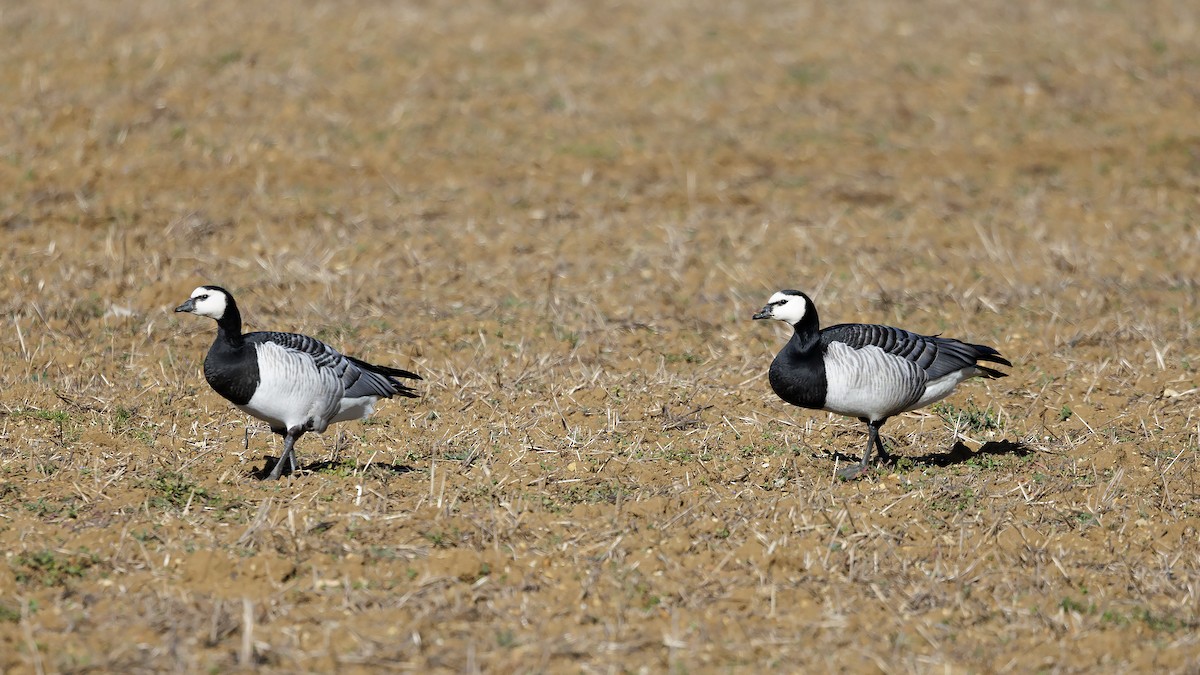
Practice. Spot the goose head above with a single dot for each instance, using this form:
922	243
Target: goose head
788	306
210	301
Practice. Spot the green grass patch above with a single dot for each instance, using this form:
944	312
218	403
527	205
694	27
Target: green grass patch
44	508
52	568
970	417
172	490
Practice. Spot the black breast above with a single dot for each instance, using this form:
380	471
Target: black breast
798	376
232	371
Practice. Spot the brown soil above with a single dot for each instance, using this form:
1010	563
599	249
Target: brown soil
563	215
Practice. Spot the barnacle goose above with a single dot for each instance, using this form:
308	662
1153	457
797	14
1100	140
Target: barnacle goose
864	370
293	382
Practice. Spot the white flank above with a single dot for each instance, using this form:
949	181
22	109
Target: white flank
292	391
942	387
355	408
869	382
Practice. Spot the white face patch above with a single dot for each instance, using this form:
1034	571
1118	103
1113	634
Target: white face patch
786	307
208	302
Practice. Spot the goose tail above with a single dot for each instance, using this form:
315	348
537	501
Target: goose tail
384	370
990	355
390	374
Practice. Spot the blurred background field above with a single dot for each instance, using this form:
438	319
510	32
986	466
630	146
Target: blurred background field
563	215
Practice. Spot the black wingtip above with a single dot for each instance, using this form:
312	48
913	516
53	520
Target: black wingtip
401	389
995	357
396	372
990	373
385	370
990	354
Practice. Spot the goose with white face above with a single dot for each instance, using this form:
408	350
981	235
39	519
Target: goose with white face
293	382
867	371
206	301
785	306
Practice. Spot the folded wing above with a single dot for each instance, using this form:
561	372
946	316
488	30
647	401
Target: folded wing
937	356
358	377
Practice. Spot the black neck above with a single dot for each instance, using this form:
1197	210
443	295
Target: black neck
798	372
229	326
806	333
231	366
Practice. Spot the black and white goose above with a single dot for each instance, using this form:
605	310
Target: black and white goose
293	382
867	371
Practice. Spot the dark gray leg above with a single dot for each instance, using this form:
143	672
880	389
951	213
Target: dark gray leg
882	452
287	461
873	440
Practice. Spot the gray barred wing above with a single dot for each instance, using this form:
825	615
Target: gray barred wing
322	354
358	377
937	356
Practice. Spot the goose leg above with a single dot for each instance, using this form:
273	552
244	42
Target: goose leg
882	452
856	470
287	460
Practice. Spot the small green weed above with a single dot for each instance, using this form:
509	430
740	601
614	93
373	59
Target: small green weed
8	614
44	508
437	538
174	490
971	417
60	417
1070	604
1159	623
505	638
50	568
343	468
9	490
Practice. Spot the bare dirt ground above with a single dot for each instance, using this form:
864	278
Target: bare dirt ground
563	215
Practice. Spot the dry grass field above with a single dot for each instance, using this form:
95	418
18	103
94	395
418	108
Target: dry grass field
563	215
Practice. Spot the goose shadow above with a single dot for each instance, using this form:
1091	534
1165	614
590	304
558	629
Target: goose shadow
959	453
331	466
